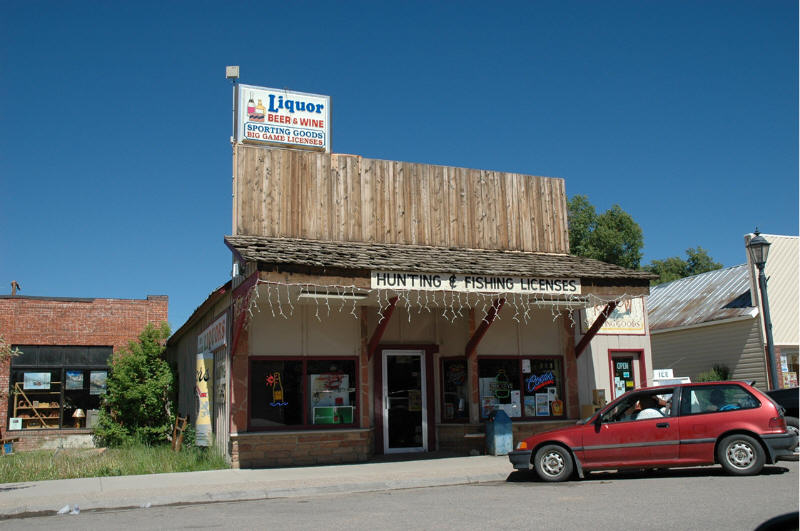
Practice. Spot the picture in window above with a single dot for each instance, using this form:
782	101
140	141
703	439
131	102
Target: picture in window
456	393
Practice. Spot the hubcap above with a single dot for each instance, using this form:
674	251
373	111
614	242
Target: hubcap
552	463
740	454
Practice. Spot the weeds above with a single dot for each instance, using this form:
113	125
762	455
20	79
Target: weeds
124	461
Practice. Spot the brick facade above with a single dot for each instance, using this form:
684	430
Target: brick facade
279	449
71	321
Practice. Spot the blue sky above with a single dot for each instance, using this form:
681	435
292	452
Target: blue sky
115	166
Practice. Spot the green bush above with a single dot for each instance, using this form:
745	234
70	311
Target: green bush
137	406
718	373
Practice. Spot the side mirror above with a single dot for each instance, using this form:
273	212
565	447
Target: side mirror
598	420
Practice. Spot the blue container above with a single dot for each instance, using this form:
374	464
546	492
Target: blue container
499	438
8	448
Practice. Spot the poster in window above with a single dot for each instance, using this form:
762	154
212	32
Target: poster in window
97	382
488	404
542	405
516	409
332	389
37	380
530	406
74	380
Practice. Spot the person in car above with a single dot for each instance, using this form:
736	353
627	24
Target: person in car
649	409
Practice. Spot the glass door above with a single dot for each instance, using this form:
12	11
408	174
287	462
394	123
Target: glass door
623	375
405	428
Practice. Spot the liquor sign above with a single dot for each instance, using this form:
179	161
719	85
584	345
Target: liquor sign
474	283
283	117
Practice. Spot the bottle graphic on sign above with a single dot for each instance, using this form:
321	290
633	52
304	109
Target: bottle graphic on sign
260	111
251	107
277	388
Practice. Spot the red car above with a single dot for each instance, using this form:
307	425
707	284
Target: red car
730	423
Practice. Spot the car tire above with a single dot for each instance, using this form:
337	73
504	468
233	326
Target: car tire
791	425
741	455
553	463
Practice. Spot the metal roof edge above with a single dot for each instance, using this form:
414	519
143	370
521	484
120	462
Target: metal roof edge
753	314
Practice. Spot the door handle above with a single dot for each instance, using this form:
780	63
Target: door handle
662	425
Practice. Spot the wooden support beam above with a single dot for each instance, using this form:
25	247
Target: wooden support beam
386	315
474	341
598	323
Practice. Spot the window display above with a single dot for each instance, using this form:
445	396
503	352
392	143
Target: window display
287	393
56	387
529	387
455	390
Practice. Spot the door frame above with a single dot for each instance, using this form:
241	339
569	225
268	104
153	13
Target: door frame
385	355
638	357
429	351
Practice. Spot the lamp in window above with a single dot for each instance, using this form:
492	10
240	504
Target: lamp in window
78	415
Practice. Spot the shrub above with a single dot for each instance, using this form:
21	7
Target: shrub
136	407
718	373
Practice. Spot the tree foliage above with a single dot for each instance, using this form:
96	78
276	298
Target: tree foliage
697	261
137	404
612	236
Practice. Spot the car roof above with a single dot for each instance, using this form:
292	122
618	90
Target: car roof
694	384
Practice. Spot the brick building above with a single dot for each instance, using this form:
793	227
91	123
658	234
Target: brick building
66	345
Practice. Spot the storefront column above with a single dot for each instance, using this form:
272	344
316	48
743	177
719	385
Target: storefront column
239	376
363	371
472	371
571	366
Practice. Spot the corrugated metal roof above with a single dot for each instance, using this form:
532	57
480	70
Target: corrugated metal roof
713	296
783	264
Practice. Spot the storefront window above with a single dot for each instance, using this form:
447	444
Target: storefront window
55	387
455	390
286	393
527	387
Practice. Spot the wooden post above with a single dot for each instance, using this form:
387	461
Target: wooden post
598	323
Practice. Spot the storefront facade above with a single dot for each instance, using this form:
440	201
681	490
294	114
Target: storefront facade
53	386
382	307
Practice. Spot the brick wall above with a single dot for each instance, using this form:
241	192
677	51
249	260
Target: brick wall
300	448
81	322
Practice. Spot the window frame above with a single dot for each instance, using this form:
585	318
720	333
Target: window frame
561	386
305	426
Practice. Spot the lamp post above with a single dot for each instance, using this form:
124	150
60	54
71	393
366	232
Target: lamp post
759	249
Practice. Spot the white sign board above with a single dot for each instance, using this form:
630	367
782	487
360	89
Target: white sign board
283	117
627	318
214	336
474	283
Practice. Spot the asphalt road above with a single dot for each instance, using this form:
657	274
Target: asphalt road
699	498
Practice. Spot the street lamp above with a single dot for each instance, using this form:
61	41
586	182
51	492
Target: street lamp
759	249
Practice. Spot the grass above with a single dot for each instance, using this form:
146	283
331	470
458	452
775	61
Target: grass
131	460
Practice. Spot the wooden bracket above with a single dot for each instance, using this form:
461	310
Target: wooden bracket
472	344
375	340
598	323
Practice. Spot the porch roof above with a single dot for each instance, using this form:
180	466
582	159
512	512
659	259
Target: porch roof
360	258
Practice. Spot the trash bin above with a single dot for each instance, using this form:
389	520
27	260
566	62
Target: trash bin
499	439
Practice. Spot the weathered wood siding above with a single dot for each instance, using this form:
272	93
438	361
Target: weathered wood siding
298	194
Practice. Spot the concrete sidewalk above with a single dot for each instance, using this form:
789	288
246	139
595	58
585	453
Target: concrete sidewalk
47	497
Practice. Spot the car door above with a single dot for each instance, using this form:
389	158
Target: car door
618	441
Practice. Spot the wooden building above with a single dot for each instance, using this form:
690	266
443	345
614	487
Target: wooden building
380	306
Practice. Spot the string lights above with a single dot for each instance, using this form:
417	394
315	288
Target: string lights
283	297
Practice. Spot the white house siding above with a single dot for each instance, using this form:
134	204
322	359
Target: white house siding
593	367
692	351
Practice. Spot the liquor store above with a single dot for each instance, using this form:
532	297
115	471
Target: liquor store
381	307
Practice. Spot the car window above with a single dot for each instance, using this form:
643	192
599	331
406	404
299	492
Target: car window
641	406
716	398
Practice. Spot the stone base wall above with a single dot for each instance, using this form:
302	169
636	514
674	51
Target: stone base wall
279	449
50	439
468	438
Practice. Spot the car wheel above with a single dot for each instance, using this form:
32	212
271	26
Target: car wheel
791	426
741	455
553	463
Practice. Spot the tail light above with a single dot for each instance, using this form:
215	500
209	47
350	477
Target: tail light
777	422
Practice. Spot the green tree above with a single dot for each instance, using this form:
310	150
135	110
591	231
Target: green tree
612	236
137	406
697	261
